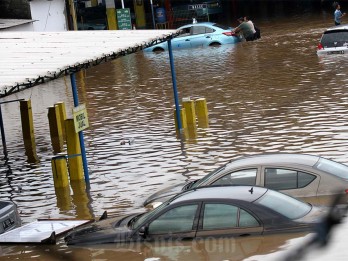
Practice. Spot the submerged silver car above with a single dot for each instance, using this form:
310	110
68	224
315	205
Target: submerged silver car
334	41
297	175
226	211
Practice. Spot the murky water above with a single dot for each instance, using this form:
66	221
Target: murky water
271	95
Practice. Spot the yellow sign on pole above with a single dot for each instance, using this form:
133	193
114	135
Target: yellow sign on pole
80	118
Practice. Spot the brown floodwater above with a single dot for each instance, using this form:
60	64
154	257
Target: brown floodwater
272	95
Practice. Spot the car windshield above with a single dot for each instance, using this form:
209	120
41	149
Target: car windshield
140	219
209	176
335	38
284	205
333	168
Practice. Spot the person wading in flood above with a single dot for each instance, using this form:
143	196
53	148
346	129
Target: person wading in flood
338	14
247	29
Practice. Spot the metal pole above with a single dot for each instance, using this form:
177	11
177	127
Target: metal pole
175	90
3	135
122	4
153	16
82	143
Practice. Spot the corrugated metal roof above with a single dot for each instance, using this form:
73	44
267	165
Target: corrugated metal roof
8	23
31	58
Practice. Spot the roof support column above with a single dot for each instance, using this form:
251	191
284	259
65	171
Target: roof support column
175	90
82	142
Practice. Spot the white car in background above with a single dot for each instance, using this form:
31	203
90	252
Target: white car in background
334	41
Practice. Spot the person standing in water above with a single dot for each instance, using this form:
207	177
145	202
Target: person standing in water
247	29
338	14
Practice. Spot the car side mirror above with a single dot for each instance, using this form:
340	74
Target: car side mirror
142	231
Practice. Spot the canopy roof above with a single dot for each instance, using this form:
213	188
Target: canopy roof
31	58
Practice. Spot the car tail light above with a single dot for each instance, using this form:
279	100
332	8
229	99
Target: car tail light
228	33
346	191
320	46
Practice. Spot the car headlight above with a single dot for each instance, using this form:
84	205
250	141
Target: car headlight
153	205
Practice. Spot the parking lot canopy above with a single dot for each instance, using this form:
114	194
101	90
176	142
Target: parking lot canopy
32	58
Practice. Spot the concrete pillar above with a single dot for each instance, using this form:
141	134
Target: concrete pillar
55	129
74	151
28	131
139	14
111	14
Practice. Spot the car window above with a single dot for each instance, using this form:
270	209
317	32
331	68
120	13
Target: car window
241	177
199	30
209	176
247	220
222	216
219	216
284	204
175	220
209	30
304	179
335	38
333	168
282	179
184	32
223	27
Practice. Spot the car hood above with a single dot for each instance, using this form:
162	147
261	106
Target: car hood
110	230
165	194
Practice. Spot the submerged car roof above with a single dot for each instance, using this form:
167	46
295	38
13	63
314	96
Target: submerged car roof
274	158
222	192
197	24
337	27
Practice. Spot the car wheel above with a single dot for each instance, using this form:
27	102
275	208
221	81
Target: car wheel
215	44
158	49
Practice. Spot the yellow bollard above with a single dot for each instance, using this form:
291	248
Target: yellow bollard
189	107
28	131
202	113
183	119
74	151
55	129
62	116
60	172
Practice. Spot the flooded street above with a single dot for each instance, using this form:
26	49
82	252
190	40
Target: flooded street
271	95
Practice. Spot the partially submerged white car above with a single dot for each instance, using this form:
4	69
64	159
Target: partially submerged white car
334	41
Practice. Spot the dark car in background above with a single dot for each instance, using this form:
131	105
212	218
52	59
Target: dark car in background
228	211
9	217
298	175
334	41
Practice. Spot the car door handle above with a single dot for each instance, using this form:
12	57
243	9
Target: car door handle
207	37
244	235
187	40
